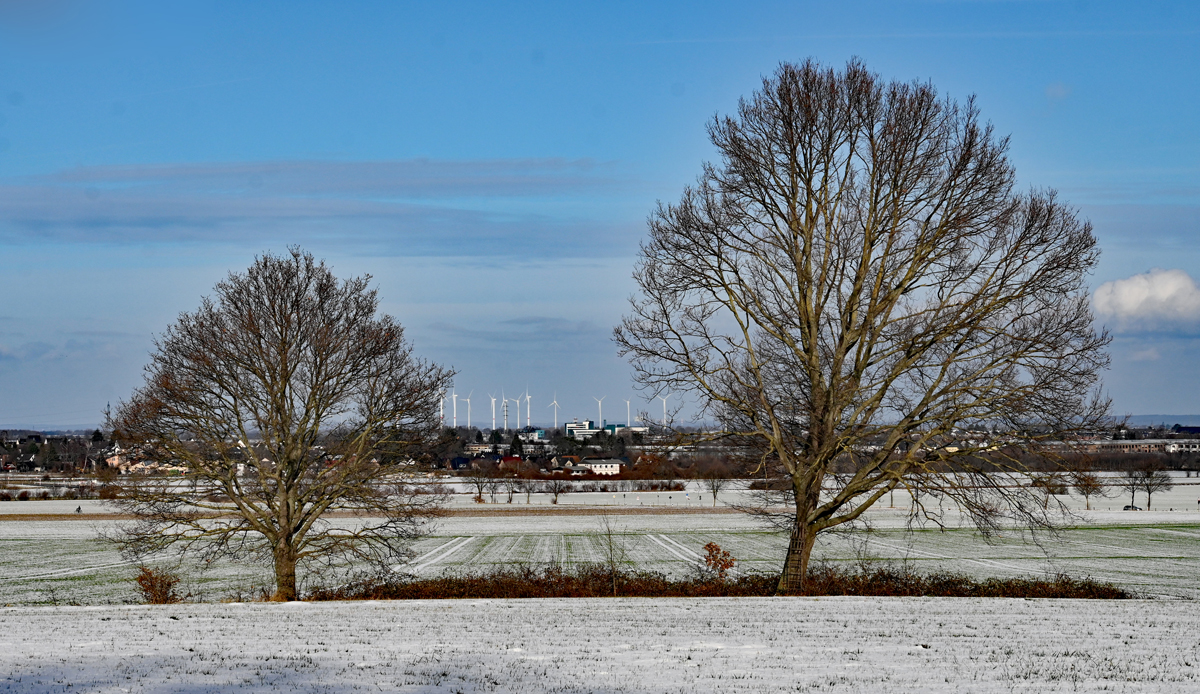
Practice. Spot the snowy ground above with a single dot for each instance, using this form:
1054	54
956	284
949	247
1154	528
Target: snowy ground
1184	498
61	562
758	645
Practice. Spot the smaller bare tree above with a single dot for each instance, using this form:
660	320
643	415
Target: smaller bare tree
1050	484
511	486
1153	480
614	549
557	486
1131	481
1087	483
714	476
285	398
478	478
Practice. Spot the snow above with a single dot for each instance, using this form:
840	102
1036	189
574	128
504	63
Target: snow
758	645
62	562
1183	499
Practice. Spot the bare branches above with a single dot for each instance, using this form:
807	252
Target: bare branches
285	398
860	277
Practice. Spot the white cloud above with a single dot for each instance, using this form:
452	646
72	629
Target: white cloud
492	208
1164	300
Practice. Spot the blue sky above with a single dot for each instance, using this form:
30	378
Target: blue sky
492	166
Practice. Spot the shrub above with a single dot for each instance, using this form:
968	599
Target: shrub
23	495
902	581
597	581
719	562
109	491
5	496
778	484
157	586
657	486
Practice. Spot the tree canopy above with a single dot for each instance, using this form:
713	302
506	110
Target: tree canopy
284	398
857	280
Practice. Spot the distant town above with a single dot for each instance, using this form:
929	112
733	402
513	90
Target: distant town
585	448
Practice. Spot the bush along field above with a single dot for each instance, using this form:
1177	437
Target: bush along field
595	581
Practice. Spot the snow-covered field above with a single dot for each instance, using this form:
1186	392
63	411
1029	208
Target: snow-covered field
57	561
757	645
616	645
1183	498
61	562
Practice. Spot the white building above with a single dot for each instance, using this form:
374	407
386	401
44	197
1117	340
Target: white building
1183	446
604	467
581	430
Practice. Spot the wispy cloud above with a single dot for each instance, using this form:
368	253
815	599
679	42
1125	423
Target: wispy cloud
415	207
521	333
414	178
1159	300
40	351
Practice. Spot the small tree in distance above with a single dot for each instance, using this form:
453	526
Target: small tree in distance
714	476
1087	484
478	476
1153	480
556	486
284	398
1131	481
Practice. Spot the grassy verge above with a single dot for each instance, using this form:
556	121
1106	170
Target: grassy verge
598	581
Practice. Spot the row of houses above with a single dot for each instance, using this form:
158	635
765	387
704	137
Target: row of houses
570	464
1139	446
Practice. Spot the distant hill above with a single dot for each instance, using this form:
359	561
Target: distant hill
1145	420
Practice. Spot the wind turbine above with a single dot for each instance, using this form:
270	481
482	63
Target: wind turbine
442	409
517	421
600	404
628	421
528	407
493	397
468	399
454	399
664	399
555	406
505	399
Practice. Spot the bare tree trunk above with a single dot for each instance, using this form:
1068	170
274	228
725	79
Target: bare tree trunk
800	545
285	574
795	566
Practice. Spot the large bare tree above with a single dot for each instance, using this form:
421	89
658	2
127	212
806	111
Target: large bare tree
286	399
855	281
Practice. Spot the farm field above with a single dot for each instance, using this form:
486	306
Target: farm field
758	645
61	562
1183	498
